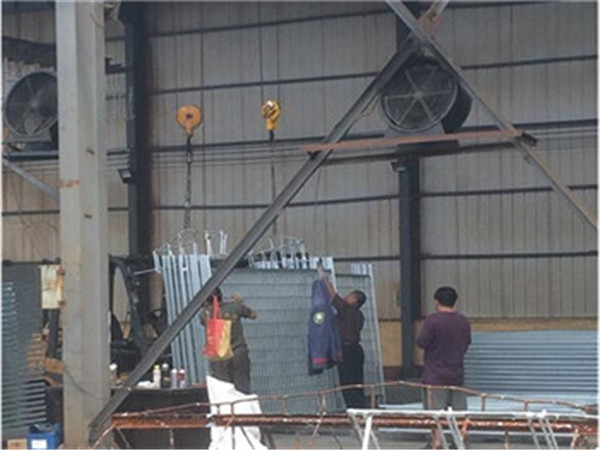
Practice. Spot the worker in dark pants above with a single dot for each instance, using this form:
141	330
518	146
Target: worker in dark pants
350	321
235	370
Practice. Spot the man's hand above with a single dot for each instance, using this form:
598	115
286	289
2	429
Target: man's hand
321	272
236	298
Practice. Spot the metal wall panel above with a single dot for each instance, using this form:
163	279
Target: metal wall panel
519	32
517	287
520	222
167	17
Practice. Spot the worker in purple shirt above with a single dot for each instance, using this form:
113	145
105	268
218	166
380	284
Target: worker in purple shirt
445	338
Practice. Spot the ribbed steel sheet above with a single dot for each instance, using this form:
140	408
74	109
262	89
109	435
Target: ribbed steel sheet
23	388
534	362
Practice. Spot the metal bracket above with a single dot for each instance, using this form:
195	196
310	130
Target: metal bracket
529	152
30	179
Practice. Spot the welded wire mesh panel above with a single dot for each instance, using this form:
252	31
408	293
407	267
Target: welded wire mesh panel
278	339
551	363
370	334
23	388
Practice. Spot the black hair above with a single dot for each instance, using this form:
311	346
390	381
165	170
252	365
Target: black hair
361	298
446	295
217	293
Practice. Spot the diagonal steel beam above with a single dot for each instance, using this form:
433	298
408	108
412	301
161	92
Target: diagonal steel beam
529	152
254	234
30	178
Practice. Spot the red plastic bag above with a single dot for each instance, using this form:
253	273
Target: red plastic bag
217	345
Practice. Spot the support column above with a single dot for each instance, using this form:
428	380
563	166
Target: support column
83	214
408	169
139	188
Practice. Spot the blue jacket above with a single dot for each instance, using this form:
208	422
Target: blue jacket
324	349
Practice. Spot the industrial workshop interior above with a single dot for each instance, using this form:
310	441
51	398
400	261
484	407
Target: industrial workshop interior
280	224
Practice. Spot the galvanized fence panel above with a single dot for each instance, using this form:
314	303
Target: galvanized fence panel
278	340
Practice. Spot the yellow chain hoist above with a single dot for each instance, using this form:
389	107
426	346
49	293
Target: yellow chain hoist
271	112
189	117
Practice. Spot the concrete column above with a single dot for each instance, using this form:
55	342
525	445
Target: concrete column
83	213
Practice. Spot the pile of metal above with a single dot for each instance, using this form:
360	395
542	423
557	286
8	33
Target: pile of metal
278	339
184	270
23	386
558	364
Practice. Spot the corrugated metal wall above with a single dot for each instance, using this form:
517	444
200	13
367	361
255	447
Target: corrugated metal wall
535	62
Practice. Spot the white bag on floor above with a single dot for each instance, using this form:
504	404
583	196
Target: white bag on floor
222	437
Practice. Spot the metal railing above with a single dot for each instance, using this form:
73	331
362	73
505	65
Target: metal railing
541	426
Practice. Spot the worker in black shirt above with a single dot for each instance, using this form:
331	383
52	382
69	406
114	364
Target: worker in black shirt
350	321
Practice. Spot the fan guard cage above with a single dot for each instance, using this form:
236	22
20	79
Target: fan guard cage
419	96
31	106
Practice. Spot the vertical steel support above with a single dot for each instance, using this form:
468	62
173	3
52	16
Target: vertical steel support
408	169
254	234
139	189
528	151
83	213
410	256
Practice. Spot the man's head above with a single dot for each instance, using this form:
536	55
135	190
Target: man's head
217	294
357	298
446	296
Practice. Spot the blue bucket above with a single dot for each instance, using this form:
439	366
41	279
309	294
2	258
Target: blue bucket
44	436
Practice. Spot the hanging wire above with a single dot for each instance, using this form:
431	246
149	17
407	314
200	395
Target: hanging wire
263	99
203	133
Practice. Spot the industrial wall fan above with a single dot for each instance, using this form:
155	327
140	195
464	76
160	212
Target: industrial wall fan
31	112
422	95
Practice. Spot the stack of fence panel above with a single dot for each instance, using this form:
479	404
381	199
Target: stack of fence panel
183	270
23	388
559	364
278	340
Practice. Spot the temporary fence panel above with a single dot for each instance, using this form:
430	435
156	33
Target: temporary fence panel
278	340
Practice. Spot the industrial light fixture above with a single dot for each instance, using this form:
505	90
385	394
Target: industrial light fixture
126	175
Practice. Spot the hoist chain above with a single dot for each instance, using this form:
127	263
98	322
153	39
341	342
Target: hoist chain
187	206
